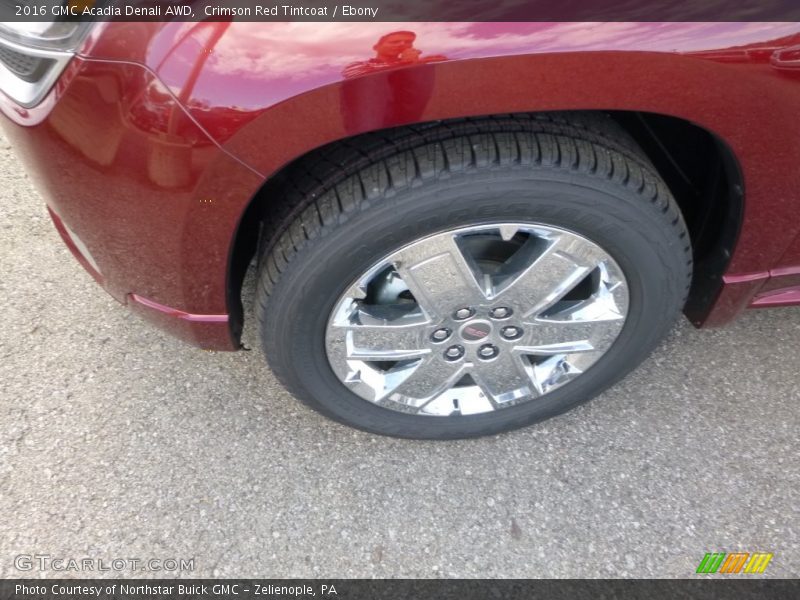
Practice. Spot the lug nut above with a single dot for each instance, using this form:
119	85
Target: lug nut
510	332
487	351
440	335
454	352
463	313
500	312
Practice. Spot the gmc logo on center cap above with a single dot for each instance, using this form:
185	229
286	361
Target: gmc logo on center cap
475	332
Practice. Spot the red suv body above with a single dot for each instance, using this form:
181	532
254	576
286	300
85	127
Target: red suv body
510	214
157	137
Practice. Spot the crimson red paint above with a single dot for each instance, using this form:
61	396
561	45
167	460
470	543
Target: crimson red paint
157	136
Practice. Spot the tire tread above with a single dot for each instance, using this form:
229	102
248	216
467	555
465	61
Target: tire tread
320	192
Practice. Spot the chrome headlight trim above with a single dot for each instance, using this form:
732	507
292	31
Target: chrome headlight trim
29	93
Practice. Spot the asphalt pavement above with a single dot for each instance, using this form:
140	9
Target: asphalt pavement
117	441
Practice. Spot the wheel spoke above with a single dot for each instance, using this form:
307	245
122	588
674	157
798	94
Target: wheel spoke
383	344
439	275
590	325
369	337
505	379
540	283
391	340
430	378
549	337
557	370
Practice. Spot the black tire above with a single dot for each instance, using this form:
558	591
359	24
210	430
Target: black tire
348	205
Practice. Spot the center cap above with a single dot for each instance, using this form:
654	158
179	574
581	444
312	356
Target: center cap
475	331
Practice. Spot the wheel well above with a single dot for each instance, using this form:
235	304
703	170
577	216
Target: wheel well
698	167
704	176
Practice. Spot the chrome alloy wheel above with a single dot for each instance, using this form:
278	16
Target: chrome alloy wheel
477	319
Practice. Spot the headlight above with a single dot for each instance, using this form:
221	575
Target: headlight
33	55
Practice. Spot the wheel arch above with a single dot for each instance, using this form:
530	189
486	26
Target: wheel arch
707	184
720	103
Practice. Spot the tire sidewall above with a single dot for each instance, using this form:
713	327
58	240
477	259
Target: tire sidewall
634	232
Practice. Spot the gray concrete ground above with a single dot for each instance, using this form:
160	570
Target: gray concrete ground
117	441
